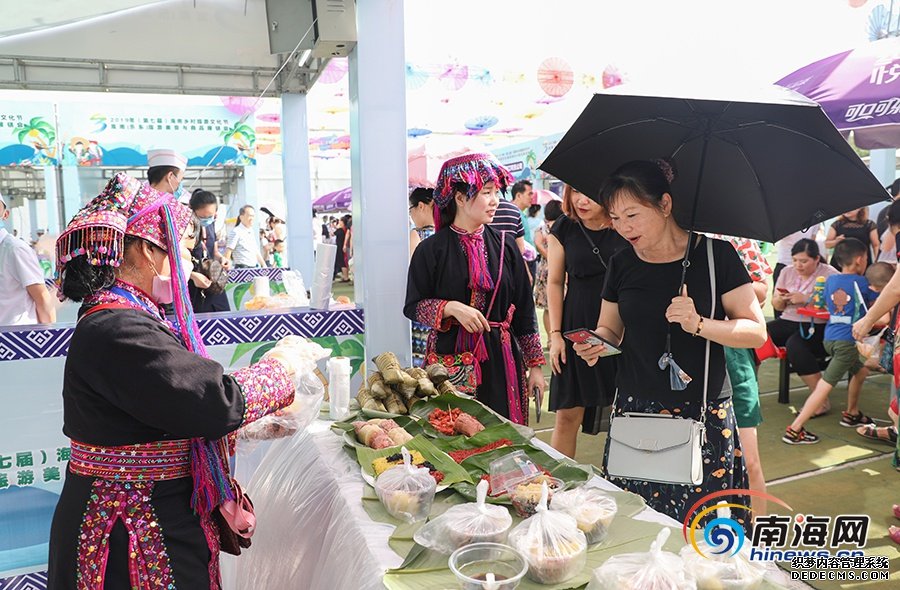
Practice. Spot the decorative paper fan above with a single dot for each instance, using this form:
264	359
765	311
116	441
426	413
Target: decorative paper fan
334	71
611	77
879	23
453	76
481	75
481	123
415	77
555	76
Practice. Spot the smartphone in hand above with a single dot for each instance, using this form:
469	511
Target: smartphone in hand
585	336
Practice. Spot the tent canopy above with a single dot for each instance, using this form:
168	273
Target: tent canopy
167	46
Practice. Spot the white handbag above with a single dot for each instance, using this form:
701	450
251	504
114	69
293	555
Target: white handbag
660	447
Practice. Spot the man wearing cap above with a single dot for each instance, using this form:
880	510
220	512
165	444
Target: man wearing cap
166	171
24	299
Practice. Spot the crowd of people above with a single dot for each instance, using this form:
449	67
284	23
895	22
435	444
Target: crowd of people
611	263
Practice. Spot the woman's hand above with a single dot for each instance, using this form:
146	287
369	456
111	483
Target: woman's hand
200	281
471	320
226	264
797	298
590	353
557	352
862	327
536	380
682	311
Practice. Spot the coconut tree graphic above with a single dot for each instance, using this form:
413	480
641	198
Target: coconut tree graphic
244	138
42	137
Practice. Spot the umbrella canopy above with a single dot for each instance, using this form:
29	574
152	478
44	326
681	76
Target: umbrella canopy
858	90
760	166
336	201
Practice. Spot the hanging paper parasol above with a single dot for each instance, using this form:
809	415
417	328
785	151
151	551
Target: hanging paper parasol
335	71
542	197
415	77
481	75
481	123
555	76
611	77
453	76
239	105
417	132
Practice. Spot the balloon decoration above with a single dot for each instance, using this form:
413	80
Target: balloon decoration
555	77
335	71
611	77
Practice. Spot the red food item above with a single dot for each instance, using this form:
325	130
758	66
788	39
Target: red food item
444	422
468	425
462	455
437	475
487	478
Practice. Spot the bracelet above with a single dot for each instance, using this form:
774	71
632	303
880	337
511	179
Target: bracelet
555	331
699	327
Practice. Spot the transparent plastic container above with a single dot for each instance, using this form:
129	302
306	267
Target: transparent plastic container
510	470
474	566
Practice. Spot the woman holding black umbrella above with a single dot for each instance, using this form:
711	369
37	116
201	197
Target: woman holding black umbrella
642	308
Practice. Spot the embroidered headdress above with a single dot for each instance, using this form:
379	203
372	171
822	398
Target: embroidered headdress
473	170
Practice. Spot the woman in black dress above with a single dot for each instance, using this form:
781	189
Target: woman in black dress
205	205
340	262
146	411
854	224
580	245
641	306
469	283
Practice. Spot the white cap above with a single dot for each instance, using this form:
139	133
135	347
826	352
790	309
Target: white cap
166	157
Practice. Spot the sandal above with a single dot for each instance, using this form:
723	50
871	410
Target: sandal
885	434
852	420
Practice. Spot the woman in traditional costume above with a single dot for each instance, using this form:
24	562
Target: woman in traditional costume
145	408
469	283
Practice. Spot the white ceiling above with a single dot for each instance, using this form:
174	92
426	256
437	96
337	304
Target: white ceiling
24	17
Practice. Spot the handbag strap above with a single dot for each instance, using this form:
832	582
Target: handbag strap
712	314
594	247
490	306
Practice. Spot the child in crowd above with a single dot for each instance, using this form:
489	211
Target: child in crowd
278	253
842	294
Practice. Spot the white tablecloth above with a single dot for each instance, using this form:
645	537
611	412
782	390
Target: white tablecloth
312	530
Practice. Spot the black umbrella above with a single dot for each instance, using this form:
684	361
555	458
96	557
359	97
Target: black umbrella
758	167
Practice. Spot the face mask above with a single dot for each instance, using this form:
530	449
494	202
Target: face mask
206	221
161	290
178	192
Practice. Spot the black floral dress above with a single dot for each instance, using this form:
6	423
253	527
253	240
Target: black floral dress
643	292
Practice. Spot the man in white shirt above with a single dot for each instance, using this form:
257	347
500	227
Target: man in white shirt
242	247
24	299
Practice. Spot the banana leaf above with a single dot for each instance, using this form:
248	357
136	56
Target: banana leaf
567	470
346	429
485	437
453	473
470	406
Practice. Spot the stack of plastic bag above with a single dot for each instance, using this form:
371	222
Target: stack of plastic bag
654	570
464	524
406	491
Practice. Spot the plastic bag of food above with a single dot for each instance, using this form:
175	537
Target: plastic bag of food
406	491
298	354
869	349
308	396
464	524
722	572
555	549
654	570
592	508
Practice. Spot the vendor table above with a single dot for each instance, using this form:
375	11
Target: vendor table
313	531
33	450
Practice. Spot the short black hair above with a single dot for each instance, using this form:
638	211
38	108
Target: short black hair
807	246
156	173
201	198
520	187
848	249
893	214
421	195
553	210
895	188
